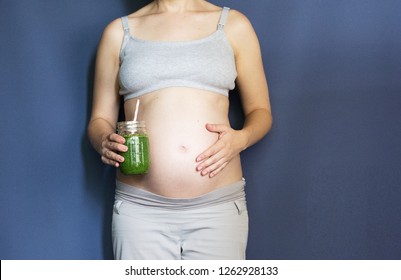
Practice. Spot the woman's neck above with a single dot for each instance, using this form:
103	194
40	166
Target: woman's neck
176	5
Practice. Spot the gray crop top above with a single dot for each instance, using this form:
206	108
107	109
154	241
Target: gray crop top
207	63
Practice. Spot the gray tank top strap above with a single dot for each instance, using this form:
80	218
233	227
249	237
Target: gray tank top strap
124	21
223	18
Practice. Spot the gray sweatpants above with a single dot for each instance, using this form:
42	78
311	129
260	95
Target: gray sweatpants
147	226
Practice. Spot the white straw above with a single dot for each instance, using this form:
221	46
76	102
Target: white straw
136	110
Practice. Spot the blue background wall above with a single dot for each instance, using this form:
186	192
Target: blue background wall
324	184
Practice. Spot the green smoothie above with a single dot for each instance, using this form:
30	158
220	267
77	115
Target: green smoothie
136	159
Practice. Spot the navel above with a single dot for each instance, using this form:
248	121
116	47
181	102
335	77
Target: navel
183	148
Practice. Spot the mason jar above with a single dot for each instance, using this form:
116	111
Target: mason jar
136	158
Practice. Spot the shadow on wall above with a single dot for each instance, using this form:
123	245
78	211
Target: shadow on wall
99	178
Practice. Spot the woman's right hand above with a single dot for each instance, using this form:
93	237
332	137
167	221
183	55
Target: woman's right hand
112	144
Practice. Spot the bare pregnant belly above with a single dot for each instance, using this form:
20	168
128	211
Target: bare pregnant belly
175	120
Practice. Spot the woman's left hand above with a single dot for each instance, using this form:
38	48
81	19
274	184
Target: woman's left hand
228	145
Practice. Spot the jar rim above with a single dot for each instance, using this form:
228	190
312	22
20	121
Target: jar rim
124	126
130	122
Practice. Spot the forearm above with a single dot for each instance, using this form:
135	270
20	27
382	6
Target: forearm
257	124
98	129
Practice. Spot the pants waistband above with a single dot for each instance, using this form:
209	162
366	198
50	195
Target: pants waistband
221	195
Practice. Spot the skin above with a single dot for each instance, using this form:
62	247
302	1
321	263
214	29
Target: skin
204	148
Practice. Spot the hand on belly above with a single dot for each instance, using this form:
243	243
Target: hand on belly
219	154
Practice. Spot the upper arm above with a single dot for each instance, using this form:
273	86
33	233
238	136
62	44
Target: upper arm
106	99
251	79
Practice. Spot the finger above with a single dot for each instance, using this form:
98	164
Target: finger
114	146
217	128
114	142
212	150
116	138
112	157
215	172
207	163
213	167
207	154
110	162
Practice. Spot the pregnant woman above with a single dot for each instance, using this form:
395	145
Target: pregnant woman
180	58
